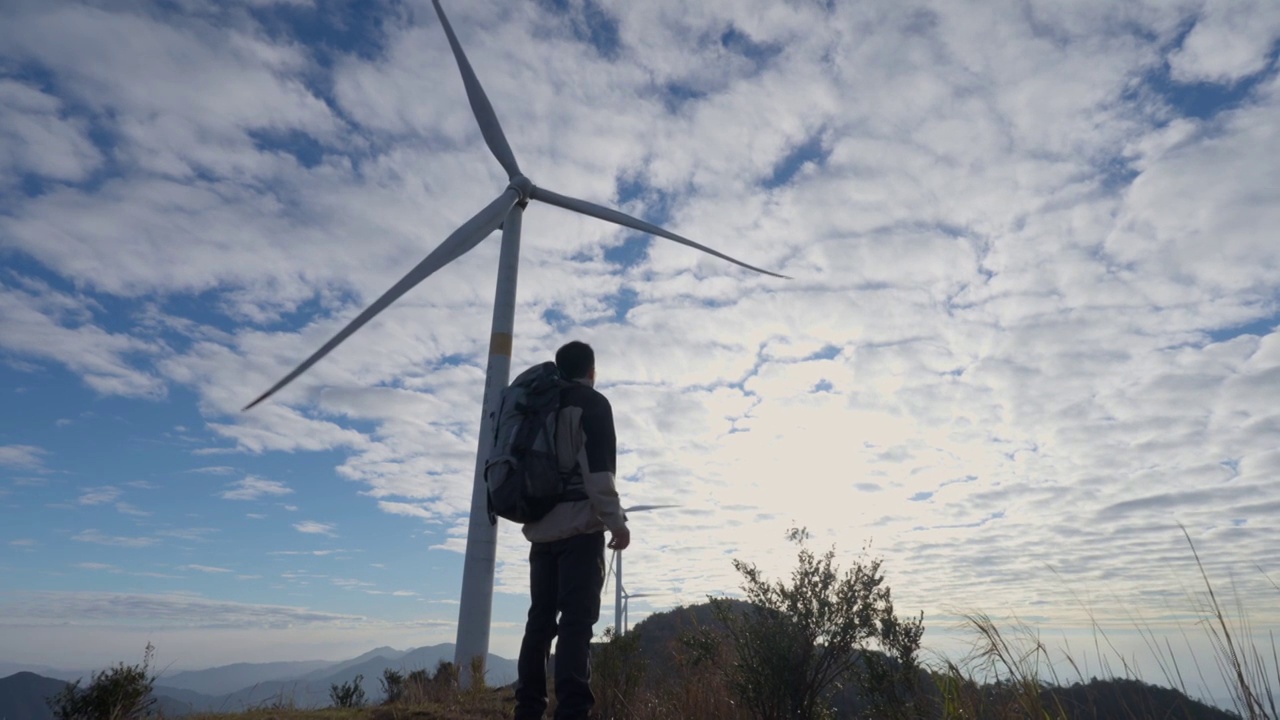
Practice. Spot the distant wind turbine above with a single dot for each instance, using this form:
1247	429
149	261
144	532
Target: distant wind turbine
506	211
626	597
619	594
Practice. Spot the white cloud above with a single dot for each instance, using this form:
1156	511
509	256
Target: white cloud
43	323
214	470
350	583
163	610
98	538
204	568
244	83
406	509
253	488
127	509
37	137
1229	40
315	553
314	528
98	495
188	533
27	457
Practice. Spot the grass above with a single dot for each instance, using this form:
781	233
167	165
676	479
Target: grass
489	705
1016	662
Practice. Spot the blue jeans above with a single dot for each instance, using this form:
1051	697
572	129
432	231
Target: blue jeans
565	577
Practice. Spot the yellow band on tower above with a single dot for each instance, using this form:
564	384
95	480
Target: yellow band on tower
500	344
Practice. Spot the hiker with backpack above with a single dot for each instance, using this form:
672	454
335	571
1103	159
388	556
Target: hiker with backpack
552	469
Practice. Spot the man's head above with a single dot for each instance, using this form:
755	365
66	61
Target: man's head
577	361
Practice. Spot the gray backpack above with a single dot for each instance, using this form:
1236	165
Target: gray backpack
522	472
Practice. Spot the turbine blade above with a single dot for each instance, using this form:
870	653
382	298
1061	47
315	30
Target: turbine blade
480	106
459	242
620	218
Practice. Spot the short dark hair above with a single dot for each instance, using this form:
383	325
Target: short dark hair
575	360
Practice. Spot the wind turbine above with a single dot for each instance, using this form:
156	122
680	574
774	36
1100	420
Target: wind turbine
506	211
626	597
619	594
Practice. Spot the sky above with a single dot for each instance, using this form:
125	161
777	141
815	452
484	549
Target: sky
1030	335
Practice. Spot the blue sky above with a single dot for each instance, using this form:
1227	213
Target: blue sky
1032	326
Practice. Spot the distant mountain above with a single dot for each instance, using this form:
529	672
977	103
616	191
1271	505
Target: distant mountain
23	695
1129	698
177	701
241	686
230	678
312	690
387	653
11	668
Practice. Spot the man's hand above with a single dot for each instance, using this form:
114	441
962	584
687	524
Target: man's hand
620	539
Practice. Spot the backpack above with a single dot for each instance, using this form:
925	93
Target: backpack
522	472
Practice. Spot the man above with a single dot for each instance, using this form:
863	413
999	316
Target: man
566	558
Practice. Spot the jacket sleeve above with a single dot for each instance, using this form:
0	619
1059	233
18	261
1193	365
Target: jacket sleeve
601	451
603	494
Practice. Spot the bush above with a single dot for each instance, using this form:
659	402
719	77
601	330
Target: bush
476	677
348	694
422	687
119	693
793	644
392	685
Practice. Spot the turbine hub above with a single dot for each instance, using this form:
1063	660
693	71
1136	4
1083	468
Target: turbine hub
522	185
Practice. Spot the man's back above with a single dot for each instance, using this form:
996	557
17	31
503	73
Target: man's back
586	445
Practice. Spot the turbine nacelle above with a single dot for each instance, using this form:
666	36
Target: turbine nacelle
524	186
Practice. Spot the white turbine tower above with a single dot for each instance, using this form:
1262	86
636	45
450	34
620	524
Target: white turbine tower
506	211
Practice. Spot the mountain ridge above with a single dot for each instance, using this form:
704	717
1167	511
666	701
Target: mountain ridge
23	693
223	679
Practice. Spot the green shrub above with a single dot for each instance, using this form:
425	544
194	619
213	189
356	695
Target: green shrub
348	694
392	685
122	692
795	643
